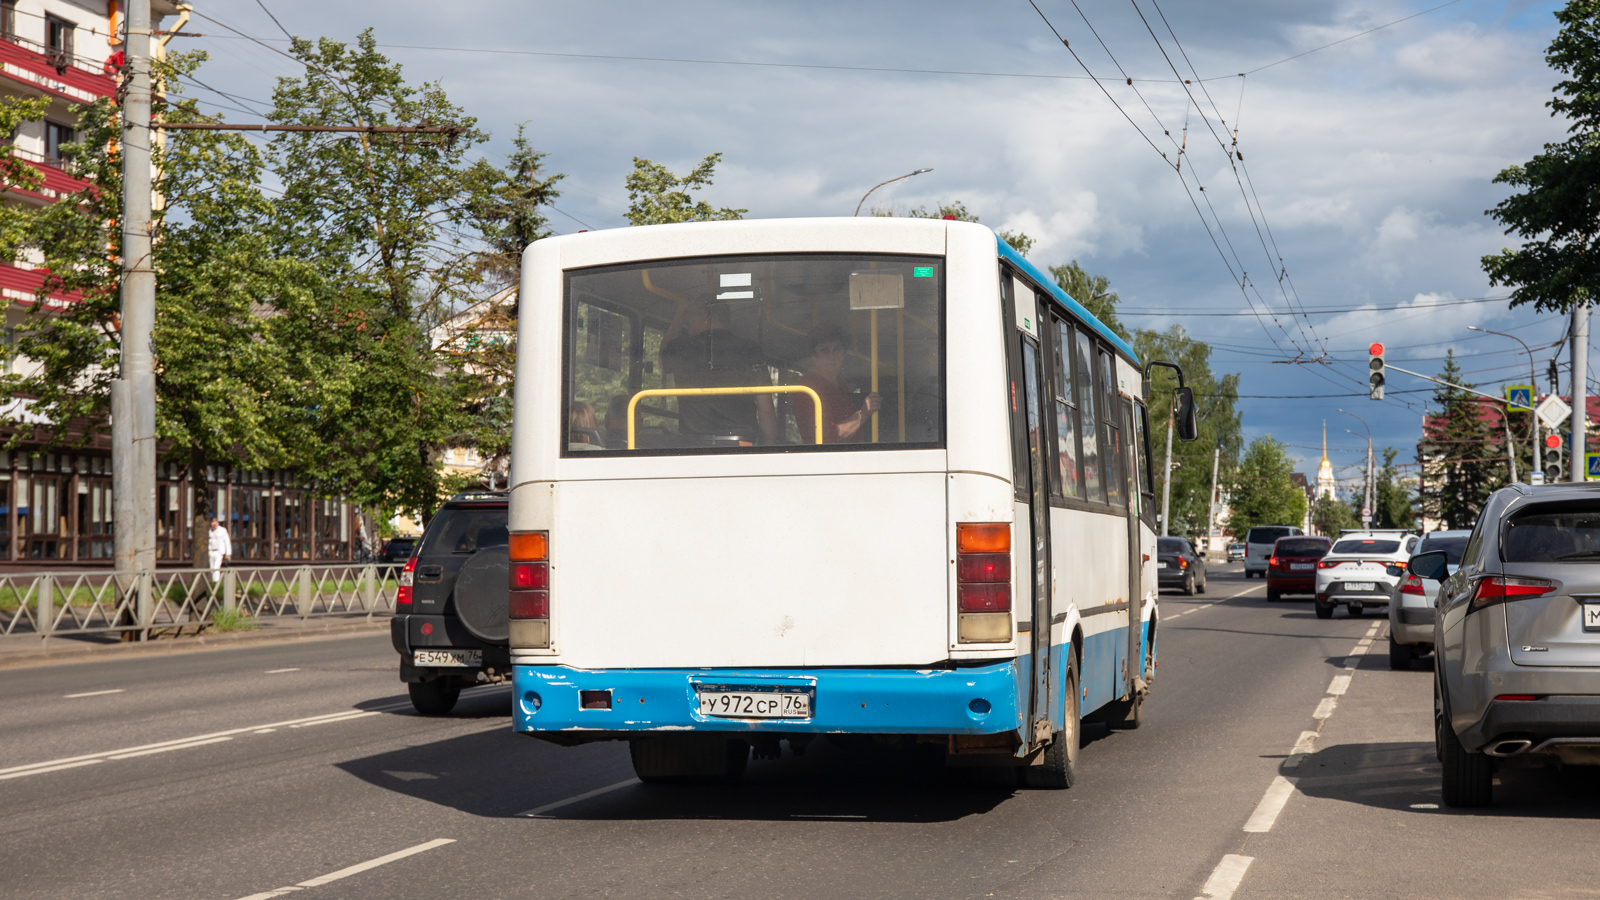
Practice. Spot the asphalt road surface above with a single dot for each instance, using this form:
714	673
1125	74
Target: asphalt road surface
1279	758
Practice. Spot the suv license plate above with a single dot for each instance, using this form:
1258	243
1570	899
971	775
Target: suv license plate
1591	617
754	704
1359	586
458	658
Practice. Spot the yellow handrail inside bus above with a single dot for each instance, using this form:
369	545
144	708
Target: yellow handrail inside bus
816	401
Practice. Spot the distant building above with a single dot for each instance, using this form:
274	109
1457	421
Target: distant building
1327	486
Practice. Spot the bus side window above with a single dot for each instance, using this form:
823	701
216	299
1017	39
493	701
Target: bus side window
1083	379
1141	446
1111	449
1068	481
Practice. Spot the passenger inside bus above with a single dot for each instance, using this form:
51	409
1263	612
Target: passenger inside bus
584	430
700	351
844	420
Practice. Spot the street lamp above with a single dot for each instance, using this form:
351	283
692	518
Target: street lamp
881	184
1370	494
1533	392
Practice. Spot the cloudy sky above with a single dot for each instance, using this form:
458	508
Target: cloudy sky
1366	167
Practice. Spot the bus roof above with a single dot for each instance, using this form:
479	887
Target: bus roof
1007	252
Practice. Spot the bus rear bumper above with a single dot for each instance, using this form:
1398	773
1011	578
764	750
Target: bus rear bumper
978	700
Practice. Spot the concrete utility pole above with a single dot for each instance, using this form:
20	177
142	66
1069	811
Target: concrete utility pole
133	395
1166	479
1580	390
1211	504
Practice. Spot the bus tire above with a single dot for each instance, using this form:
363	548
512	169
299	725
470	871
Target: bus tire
434	698
675	759
1059	769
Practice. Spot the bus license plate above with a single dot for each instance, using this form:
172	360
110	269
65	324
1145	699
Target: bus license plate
459	658
1359	585
1591	617
737	704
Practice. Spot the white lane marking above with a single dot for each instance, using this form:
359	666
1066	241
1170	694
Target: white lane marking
1305	746
538	810
1353	663
216	740
1225	878
1271	804
352	870
70	765
93	693
1339	685
279	671
359	715
1424	806
1325	708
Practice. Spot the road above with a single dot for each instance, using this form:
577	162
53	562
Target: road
1279	758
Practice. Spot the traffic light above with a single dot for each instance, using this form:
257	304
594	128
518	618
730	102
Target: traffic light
1555	458
1375	375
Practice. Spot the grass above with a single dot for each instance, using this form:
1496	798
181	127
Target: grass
232	620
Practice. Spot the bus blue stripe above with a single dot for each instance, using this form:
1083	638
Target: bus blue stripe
1007	252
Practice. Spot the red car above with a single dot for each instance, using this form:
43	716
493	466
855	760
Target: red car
1293	566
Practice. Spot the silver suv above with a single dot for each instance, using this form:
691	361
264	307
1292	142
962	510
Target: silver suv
1363	569
1258	544
1411	620
1517	638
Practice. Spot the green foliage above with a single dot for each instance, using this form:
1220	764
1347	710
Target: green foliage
1261	491
16	174
658	197
505	206
232	620
1397	504
957	210
1094	292
1330	515
1216	399
1462	457
1557	211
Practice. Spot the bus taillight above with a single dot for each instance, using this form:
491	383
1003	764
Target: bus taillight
983	582
530	596
402	594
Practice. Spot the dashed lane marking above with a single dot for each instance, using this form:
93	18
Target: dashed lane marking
549	807
215	740
1206	605
1339	685
356	869
1325	708
1271	804
1304	747
280	671
1225	878
94	693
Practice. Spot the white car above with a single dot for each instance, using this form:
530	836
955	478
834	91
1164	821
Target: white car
1411	620
1363	569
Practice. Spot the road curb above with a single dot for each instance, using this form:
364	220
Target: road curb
77	652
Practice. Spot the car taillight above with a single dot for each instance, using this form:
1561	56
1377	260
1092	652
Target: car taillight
1326	564
1183	563
983	582
1505	588
529	576
402	594
1412	585
1273	562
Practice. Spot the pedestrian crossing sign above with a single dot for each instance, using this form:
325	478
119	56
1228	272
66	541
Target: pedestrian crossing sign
1519	397
1591	465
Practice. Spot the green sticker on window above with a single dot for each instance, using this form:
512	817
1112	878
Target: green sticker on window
922	271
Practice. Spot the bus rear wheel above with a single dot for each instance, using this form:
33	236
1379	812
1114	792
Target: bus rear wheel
674	759
1059	769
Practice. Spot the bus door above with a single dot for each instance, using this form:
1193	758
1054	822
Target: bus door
1133	663
1033	495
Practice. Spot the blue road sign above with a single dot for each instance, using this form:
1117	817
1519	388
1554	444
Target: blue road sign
1519	397
1591	464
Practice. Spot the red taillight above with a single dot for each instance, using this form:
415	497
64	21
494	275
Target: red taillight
1325	564
530	604
1412	585
1273	562
983	567
1517	697
1183	563
402	594
1504	588
530	576
983	597
983	582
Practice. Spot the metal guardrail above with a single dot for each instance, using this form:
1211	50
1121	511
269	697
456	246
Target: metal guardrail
53	603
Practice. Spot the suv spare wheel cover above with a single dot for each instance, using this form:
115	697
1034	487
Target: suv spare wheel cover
483	595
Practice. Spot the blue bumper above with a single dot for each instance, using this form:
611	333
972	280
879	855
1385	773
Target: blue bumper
980	700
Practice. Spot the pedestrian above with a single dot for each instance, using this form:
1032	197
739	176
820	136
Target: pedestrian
219	549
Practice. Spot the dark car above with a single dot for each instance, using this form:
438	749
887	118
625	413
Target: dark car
1292	569
451	623
1178	566
397	550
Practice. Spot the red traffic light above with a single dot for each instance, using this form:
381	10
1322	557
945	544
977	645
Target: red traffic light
1552	441
1375	350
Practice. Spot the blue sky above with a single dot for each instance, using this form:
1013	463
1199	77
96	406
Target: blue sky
1370	161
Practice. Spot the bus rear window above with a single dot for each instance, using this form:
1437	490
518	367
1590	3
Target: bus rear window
741	353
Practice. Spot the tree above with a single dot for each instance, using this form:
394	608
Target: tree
957	210
1461	456
1557	212
1094	292
1260	488
1330	515
506	207
1215	397
1397	506
658	197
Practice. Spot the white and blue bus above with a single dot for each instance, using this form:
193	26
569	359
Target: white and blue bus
787	478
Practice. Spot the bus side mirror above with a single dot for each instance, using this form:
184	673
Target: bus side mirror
1183	409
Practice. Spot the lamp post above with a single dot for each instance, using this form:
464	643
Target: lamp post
1533	394
1369	495
881	184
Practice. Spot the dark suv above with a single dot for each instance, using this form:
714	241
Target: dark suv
451	620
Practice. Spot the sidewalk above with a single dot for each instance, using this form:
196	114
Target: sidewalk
20	650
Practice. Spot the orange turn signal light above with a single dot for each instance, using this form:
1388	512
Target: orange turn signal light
983	537
530	546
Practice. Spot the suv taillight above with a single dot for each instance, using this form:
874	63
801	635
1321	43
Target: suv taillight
1505	588
530	590
983	582
402	594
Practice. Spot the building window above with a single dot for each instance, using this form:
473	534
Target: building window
55	135
58	42
8	20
